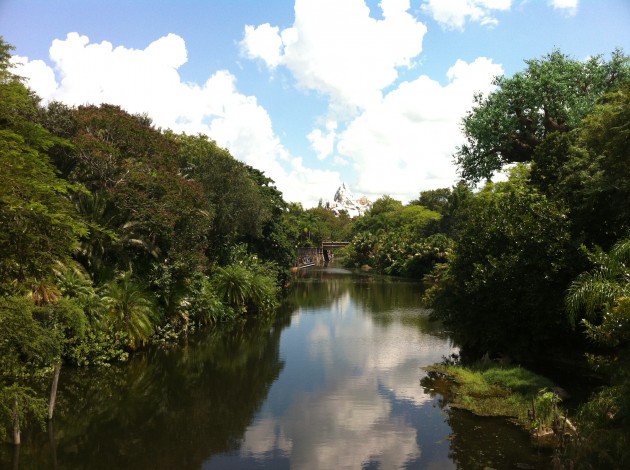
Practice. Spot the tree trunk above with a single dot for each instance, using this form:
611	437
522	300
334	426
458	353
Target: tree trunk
53	443
53	390
16	424
16	457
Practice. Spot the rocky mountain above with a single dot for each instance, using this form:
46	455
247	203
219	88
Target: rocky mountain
346	201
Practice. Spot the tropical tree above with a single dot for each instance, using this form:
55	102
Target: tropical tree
233	284
233	197
274	242
28	350
201	304
40	228
142	210
594	180
310	223
33	341
130	310
245	290
600	301
500	292
552	94
389	215
446	202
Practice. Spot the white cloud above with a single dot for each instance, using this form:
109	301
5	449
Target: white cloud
453	14
401	140
568	6
366	374
148	81
308	185
406	142
337	49
262	42
323	142
392	136
38	75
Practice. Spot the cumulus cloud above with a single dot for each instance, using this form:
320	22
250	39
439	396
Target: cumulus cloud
394	136
263	42
398	138
453	14
339	50
38	75
406	142
323	141
147	81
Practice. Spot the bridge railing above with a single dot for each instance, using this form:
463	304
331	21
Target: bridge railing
334	244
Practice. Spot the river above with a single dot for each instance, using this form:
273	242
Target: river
332	381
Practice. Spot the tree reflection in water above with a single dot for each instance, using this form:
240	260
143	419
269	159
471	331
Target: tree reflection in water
339	389
166	409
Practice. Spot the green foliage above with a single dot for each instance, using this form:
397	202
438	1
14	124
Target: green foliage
130	309
202	304
428	253
244	289
596	293
26	346
235	204
93	194
603	439
435	200
545	410
64	321
398	254
601	298
595	180
587	170
99	347
20	408
274	243
39	225
491	390
389	215
552	94
396	239
500	291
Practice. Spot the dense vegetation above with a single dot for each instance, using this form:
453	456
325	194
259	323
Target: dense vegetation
115	234
533	268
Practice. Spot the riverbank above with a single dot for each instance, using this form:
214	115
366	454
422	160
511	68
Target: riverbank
487	389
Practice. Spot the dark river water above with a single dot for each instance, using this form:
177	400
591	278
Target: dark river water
332	381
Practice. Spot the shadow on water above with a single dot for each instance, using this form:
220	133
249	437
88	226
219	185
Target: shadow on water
165	409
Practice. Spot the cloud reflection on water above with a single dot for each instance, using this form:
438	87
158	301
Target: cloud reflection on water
355	397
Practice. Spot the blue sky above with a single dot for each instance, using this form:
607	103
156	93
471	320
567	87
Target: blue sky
312	92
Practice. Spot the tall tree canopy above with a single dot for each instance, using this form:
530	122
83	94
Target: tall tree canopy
500	291
40	227
231	191
552	94
587	169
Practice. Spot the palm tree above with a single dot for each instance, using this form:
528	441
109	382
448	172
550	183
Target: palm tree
75	283
263	292
603	295
597	293
130	309
233	284
308	222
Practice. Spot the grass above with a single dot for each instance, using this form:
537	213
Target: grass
492	390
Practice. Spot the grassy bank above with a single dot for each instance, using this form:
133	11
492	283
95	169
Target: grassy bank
495	390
